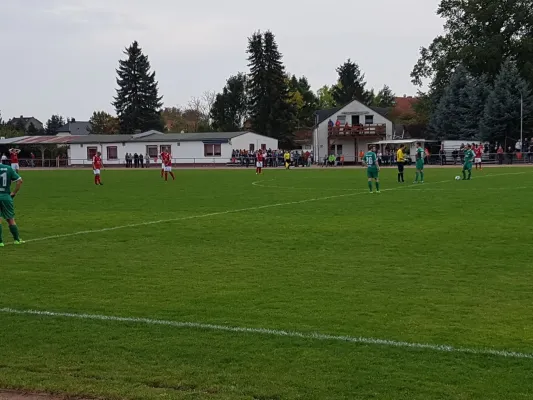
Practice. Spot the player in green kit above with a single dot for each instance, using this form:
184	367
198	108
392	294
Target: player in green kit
467	166
7	208
372	168
419	156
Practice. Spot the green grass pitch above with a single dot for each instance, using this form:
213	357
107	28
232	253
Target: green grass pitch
444	263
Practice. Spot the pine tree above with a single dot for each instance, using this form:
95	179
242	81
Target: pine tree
385	98
501	117
448	118
351	85
473	98
137	103
53	124
230	106
271	111
32	130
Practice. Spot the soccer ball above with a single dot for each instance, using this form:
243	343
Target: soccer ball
457	178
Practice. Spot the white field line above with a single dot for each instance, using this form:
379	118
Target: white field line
275	332
226	212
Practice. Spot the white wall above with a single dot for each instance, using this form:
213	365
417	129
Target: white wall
320	135
243	142
182	153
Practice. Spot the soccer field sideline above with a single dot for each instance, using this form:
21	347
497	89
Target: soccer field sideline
274	332
254	208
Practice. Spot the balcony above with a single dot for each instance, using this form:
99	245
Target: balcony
374	130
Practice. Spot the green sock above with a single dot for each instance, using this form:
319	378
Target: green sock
464	174
14	231
422	176
370	185
416	179
469	173
1	241
377	186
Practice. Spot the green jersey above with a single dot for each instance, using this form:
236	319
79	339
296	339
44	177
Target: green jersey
7	175
469	155
420	154
371	160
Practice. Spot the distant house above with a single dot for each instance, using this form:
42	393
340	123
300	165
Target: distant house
348	130
75	128
26	122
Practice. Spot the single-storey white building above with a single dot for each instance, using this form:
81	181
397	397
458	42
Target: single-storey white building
348	130
186	148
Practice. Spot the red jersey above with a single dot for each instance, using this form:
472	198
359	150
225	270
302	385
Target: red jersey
260	157
97	162
14	158
478	151
167	159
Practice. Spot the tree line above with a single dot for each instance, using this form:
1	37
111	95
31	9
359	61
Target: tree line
479	74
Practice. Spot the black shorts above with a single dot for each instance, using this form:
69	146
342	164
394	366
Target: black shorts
400	166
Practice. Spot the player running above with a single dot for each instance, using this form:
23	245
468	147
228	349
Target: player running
467	166
14	158
167	161
479	154
7	206
370	159
419	156
259	163
97	166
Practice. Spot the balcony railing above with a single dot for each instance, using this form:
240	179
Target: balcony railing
358	130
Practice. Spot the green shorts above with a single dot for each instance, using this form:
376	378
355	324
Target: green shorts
372	173
7	209
467	166
420	164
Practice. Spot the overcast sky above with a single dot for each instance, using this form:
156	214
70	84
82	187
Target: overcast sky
59	56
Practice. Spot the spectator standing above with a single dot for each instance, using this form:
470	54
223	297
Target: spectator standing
141	160
499	154
136	160
147	158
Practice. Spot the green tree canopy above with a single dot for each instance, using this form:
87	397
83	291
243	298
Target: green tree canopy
351	85
103	123
230	107
137	102
53	124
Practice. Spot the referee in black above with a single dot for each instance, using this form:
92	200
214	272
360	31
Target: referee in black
400	160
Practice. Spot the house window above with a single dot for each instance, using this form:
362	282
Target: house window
212	150
341	119
252	148
91	152
263	147
152	151
112	153
339	149
369	119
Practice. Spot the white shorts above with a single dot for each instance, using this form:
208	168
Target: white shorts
477	160
163	166
168	169
96	171
15	166
259	164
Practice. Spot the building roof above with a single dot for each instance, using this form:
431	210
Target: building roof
329	112
149	136
404	105
76	128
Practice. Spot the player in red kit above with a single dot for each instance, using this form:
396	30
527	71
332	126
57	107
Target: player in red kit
259	163
168	166
479	153
97	165
163	156
14	158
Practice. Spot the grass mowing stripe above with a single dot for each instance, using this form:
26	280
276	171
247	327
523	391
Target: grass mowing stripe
213	214
276	332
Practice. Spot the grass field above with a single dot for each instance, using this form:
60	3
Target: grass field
447	263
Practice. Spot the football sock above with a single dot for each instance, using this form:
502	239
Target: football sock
14	231
96	179
377	186
422	176
1	240
162	172
172	175
416	179
399	177
166	176
402	177
469	173
464	174
370	185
